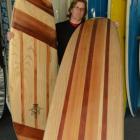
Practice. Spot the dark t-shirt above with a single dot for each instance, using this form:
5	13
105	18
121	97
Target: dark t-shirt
64	31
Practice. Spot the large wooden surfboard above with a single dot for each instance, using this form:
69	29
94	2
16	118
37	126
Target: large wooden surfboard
32	66
132	55
119	17
88	96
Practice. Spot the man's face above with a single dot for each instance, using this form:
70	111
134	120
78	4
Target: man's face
78	11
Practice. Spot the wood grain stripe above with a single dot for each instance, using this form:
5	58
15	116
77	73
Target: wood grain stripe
28	132
105	96
35	81
34	27
47	80
44	5
22	77
87	84
64	112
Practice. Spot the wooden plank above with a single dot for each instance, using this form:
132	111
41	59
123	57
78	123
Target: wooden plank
39	30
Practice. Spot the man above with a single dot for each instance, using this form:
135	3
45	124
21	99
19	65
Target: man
76	15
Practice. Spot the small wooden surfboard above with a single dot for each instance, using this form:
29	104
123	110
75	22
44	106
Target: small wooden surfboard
32	66
88	96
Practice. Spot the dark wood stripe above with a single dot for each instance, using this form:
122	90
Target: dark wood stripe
44	5
22	77
35	81
28	132
34	27
87	84
106	74
47	80
64	112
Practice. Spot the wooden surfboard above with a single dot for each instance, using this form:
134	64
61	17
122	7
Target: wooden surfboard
88	96
119	16
32	66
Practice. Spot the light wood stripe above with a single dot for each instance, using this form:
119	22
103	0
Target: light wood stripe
35	81
87	85
34	27
61	128
22	77
94	115
46	6
105	96
47	82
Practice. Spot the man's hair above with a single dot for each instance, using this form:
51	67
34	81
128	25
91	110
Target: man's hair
73	5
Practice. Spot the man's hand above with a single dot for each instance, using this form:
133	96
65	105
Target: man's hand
10	35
